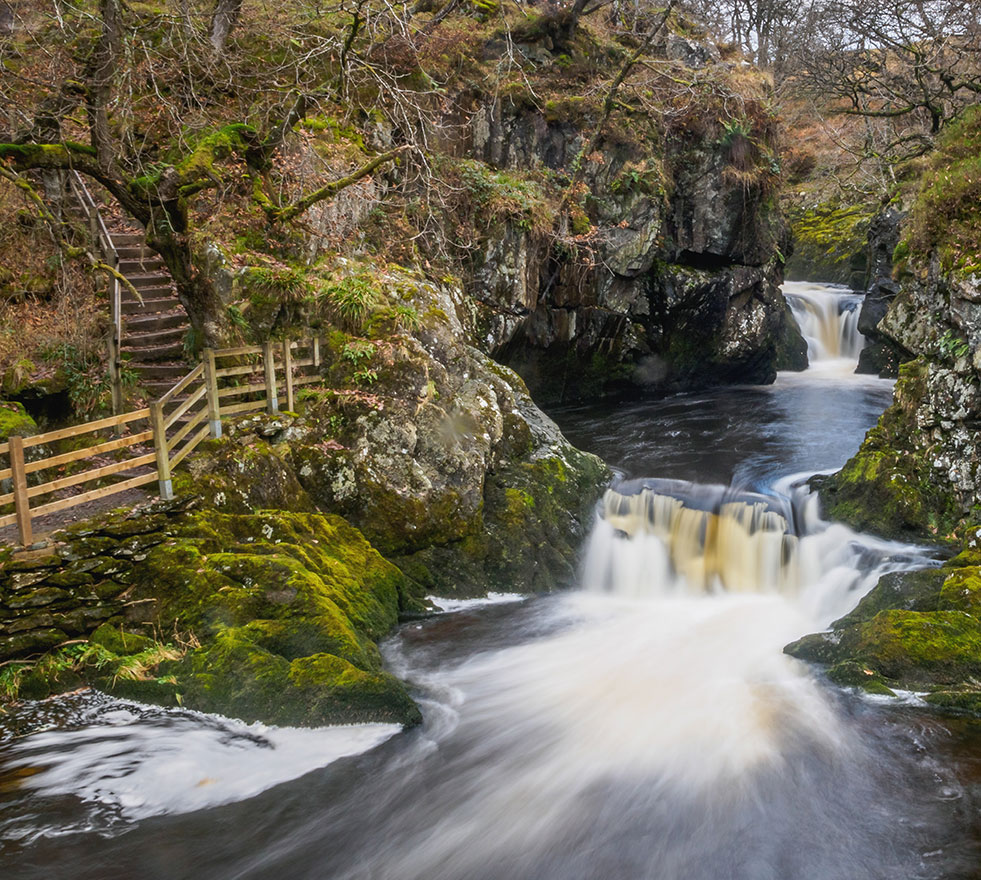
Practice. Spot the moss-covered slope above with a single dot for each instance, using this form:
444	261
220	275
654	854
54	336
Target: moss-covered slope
271	616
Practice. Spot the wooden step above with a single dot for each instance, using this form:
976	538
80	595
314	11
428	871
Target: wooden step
161	292
152	353
148	280
144	266
143	323
126	239
168	371
154	338
135	252
151	304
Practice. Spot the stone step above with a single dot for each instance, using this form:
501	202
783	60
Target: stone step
151	304
144	323
151	353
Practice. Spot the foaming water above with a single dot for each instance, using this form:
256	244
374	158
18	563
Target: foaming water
121	762
828	321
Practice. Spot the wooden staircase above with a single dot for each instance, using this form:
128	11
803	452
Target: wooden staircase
153	330
149	327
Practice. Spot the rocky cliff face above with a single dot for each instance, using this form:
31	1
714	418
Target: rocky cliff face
917	473
881	355
676	280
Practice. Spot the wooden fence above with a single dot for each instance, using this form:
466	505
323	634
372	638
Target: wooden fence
163	434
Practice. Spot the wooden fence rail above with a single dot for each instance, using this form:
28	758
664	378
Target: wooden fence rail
166	431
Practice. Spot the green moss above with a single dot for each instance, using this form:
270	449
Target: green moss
506	196
519	505
14	421
115	640
962	591
851	674
830	242
131	667
264	593
236	671
889	487
937	646
944	216
956	700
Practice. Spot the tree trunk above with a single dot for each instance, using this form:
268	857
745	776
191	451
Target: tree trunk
102	75
223	21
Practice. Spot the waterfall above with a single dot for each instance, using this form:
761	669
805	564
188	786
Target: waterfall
828	321
664	538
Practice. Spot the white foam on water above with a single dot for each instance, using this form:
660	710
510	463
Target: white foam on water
451	605
139	761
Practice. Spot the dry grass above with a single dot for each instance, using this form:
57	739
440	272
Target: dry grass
46	304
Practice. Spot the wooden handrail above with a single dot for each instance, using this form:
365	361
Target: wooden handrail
204	402
100	234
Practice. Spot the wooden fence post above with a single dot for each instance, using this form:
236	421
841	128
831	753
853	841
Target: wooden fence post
115	378
272	401
22	504
211	386
316	352
163	454
288	373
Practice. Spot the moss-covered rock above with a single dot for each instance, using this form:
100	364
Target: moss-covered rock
890	486
434	451
918	630
830	244
262	594
275	616
14	420
852	674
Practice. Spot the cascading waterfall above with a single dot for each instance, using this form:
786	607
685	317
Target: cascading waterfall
664	538
828	321
734	542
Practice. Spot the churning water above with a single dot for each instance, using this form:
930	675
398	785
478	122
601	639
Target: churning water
646	725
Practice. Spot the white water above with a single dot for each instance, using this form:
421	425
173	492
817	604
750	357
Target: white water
828	321
650	685
128	761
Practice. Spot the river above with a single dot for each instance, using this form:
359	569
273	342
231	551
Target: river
646	725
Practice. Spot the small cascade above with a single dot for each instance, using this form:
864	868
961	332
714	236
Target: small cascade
828	321
660	538
718	541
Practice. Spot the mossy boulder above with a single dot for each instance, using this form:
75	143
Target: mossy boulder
918	630
237	673
913	647
435	452
275	615
890	487
14	421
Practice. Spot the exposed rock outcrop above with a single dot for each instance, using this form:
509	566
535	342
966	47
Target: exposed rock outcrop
681	287
433	450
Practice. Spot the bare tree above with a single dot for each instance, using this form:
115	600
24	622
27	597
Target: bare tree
914	61
223	21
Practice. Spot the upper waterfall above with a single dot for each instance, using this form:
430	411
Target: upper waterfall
828	321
